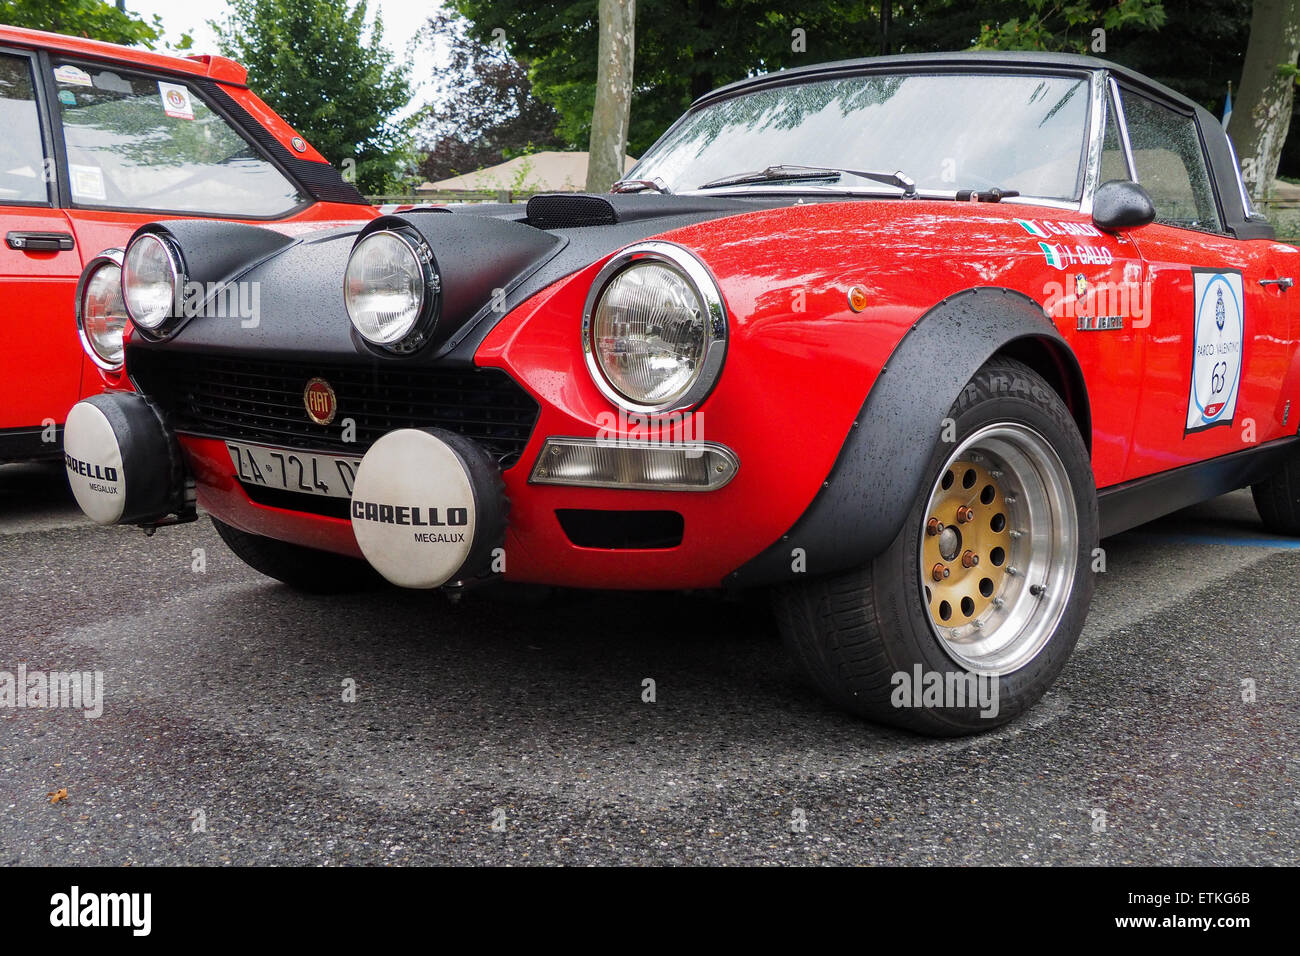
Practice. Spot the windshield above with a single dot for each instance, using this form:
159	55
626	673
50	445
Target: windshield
138	142
946	131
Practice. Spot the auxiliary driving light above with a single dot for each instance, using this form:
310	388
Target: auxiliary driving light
151	277
100	311
390	289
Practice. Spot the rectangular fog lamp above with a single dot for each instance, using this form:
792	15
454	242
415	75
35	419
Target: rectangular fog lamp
648	466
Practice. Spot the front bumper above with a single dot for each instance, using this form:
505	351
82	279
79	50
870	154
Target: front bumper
786	400
545	525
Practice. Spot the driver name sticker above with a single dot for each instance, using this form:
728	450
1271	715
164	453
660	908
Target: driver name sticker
176	100
1047	228
87	183
1063	256
1218	336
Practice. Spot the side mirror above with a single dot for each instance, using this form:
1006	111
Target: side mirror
1120	204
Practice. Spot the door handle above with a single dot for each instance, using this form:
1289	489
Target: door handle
1283	284
39	241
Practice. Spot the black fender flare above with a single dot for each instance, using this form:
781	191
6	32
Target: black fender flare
861	506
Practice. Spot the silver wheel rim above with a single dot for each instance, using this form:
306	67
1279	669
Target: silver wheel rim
996	578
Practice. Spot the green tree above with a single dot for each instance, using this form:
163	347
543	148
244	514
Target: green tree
319	65
684	48
1198	51
484	109
1076	26
93	19
1210	35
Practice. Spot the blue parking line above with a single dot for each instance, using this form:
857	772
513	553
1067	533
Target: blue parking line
1279	544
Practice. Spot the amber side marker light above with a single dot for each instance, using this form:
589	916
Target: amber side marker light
857	298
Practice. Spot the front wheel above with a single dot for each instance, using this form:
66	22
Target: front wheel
969	616
1277	498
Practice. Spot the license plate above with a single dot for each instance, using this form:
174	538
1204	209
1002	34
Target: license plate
302	471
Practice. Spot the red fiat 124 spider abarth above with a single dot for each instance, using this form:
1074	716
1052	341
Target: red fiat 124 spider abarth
898	339
98	140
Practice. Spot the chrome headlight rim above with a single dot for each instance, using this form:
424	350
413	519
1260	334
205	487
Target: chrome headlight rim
109	258
702	283
175	263
427	313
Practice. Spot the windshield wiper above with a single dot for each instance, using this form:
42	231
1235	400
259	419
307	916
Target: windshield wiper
640	185
789	173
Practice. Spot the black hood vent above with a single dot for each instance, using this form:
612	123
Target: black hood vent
572	210
562	210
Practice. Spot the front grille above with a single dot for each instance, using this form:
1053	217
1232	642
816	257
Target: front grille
261	400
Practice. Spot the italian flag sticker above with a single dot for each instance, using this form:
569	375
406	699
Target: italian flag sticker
1033	228
1053	255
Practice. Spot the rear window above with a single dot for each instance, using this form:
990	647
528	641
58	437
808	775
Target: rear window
140	142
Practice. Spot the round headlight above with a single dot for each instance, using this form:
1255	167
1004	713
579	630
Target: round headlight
384	287
151	276
655	329
101	313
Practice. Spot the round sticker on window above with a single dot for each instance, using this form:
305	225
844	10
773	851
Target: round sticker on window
176	100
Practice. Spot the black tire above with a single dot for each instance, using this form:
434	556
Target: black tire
303	569
1277	498
855	631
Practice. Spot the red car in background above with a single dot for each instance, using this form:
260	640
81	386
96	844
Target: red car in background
99	139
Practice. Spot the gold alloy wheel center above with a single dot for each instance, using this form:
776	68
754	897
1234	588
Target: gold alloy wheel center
967	544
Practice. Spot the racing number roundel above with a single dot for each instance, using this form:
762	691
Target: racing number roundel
1217	346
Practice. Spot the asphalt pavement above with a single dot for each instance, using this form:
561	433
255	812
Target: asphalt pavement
516	733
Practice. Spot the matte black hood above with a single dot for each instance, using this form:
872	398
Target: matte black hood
491	258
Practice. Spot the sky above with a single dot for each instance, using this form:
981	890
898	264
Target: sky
402	20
